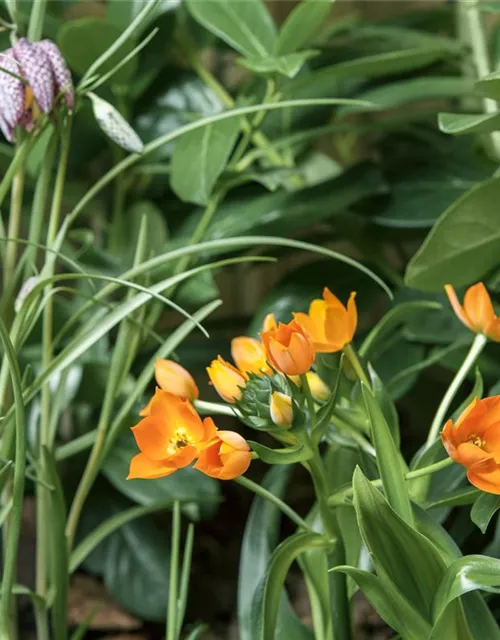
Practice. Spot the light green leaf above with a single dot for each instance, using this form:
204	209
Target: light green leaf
489	86
460	123
463	245
301	25
288	65
290	455
200	157
245	25
485	507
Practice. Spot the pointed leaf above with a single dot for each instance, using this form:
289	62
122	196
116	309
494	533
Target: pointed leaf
485	507
461	124
290	455
301	25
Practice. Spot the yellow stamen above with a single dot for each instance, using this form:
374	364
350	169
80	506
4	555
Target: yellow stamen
179	440
476	440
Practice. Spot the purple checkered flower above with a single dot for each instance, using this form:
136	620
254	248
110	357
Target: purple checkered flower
45	77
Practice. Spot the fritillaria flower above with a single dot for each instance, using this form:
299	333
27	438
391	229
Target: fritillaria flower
32	76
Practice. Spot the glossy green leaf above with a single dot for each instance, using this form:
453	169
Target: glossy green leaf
133	561
388	459
390	604
463	245
288	65
259	540
489	86
461	124
200	492
290	455
464	575
485	507
301	25
82	41
399	552
451	624
246	26
200	157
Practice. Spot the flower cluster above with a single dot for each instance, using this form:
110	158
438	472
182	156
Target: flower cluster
32	76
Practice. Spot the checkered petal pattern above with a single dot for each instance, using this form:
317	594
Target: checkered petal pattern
62	75
37	69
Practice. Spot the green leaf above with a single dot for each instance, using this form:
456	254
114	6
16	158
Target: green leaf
461	124
157	233
188	485
200	157
83	40
388	459
457	497
489	86
301	25
133	561
259	540
485	507
399	552
464	243
290	455
464	575
288	65
246	26
390	604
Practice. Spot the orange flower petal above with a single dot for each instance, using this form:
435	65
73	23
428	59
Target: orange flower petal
352	315
269	322
457	307
478	307
227	380
152	436
469	454
143	467
227	458
493	330
173	378
488	481
249	355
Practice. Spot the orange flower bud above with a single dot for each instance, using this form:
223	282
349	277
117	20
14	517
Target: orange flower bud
477	312
474	442
288	348
173	378
329	324
226	457
281	409
227	380
318	388
249	355
170	437
269	322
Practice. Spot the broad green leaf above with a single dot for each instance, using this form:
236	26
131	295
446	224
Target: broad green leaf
480	619
457	497
133	561
463	245
83	40
266	607
301	25
290	455
489	86
400	553
460	123
464	575
485	507
199	159
259	540
388	459
390	604
200	492
157	232
245	25
451	624
288	65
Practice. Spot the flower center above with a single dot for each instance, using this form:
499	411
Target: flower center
476	440
179	440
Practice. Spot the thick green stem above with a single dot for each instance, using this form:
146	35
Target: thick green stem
37	16
309	401
267	495
14	227
477	346
173	590
15	165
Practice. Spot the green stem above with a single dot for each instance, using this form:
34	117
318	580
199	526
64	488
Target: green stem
217	408
354	434
17	161
267	495
171	623
476	347
115	239
37	16
340	497
7	628
354	361
15	214
309	401
185	576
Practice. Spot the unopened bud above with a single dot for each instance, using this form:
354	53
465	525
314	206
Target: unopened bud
281	409
319	389
114	125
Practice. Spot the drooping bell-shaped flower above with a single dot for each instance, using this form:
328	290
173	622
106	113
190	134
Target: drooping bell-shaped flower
32	76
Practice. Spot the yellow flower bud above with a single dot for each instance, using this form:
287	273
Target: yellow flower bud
281	409
173	378
250	356
227	380
319	389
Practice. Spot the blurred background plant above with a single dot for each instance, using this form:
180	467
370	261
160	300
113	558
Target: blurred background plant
337	143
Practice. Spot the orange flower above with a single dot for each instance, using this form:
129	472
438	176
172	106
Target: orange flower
249	355
269	322
226	457
173	378
477	312
169	438
227	380
474	442
288	348
330	324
